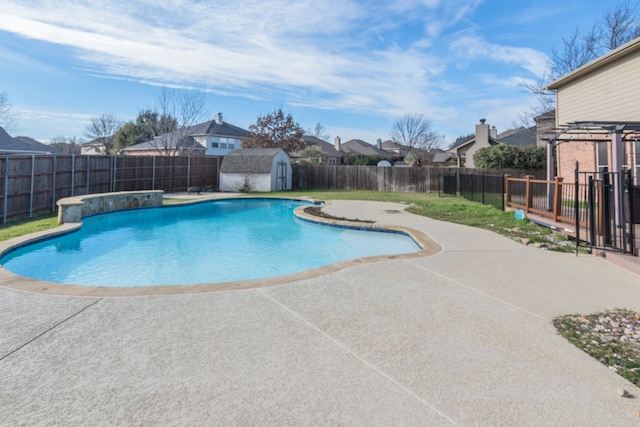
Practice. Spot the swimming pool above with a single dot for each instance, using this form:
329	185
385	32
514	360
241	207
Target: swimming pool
211	242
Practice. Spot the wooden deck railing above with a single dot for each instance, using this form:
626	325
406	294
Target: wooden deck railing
555	199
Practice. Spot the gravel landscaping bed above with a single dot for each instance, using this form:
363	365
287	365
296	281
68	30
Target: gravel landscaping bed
612	337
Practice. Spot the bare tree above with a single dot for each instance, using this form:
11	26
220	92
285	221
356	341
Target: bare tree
414	132
7	116
179	110
620	25
67	144
616	27
101	130
276	130
319	131
576	51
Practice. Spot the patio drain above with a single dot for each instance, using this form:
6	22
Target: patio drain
393	211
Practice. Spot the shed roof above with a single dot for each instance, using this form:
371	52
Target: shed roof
249	160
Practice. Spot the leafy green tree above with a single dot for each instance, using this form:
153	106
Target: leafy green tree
147	125
276	130
504	156
534	157
362	160
313	155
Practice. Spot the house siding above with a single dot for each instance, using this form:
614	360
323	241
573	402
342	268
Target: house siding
611	93
605	90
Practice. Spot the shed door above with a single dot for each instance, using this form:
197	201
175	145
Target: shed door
281	183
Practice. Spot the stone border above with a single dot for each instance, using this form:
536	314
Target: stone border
10	280
73	209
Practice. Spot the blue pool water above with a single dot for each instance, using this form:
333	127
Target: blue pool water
212	242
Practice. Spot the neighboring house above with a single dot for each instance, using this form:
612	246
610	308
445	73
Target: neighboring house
331	151
358	146
212	138
443	158
256	169
520	137
487	136
598	114
464	148
22	145
393	147
94	148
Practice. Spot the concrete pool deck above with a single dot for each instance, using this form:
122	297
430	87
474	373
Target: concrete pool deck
462	337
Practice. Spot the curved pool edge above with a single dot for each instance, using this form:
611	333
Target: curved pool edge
14	281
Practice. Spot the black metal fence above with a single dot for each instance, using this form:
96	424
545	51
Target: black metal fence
483	188
610	211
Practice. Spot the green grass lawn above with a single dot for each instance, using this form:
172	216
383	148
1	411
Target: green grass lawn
26	226
445	208
456	210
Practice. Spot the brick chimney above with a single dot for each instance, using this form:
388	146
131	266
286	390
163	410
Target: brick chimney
493	133
545	127
219	118
336	143
483	131
482	134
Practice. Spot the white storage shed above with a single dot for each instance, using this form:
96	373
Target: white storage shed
256	169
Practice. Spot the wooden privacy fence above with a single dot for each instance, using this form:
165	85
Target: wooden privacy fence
33	184
347	177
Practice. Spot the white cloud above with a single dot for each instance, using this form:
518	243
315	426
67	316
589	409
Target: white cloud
324	50
475	47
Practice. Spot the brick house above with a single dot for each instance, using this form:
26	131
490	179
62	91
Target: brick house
598	114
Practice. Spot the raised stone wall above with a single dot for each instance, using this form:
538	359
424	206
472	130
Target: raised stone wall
73	209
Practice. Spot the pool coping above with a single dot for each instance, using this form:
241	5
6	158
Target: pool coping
14	281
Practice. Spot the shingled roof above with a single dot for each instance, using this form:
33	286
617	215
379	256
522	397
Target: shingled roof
207	128
249	160
358	146
22	145
521	137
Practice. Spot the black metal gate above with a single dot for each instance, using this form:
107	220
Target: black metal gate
610	211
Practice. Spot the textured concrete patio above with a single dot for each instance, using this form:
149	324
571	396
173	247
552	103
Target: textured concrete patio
463	337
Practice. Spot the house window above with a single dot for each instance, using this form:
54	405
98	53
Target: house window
602	156
223	145
214	145
231	146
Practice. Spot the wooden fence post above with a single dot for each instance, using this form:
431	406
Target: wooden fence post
33	181
6	190
528	194
507	192
557	197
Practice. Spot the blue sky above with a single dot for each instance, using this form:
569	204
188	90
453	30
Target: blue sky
354	66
